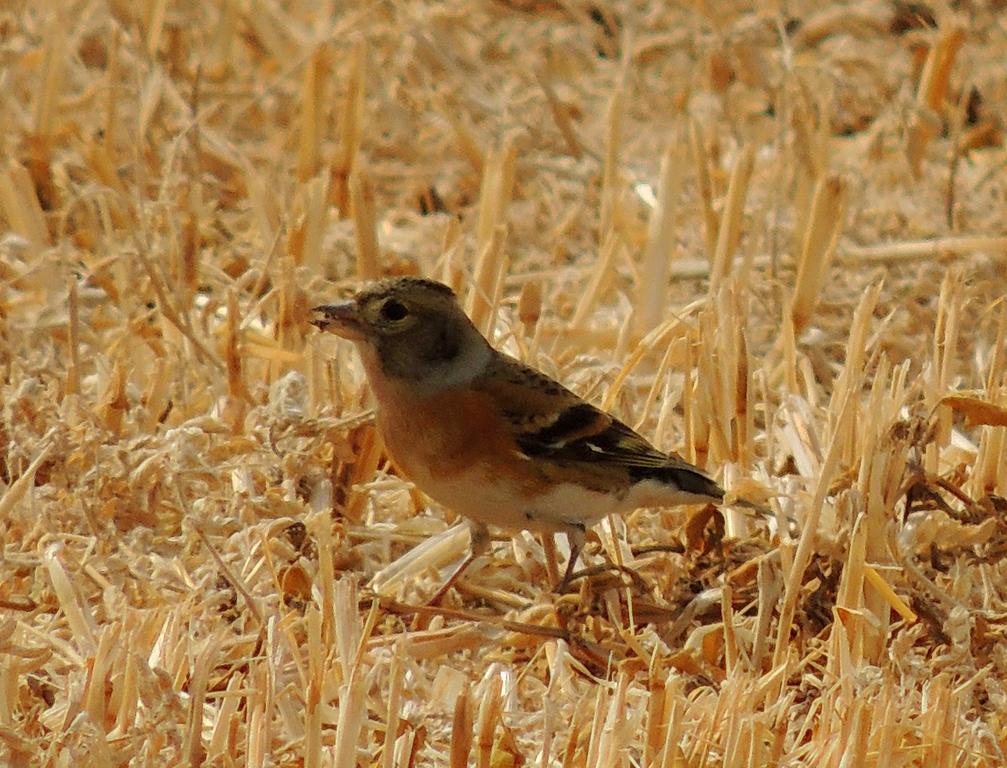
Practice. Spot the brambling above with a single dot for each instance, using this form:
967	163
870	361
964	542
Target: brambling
493	439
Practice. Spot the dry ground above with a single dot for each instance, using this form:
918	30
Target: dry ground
770	235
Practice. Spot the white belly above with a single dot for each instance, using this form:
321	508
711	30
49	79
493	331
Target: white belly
482	495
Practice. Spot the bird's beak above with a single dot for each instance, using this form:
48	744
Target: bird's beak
342	319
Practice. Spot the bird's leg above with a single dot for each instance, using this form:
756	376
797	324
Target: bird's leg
551	562
479	544
575	539
575	536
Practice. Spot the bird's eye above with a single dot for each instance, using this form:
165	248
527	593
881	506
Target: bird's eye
393	310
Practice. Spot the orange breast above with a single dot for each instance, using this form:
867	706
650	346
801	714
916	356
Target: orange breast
457	448
444	435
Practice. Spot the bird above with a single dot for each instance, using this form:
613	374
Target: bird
493	439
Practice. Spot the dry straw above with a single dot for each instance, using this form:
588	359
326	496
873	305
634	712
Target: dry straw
729	227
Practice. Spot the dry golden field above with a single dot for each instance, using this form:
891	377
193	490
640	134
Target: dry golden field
769	235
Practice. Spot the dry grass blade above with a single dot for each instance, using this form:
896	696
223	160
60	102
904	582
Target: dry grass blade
488	281
16	492
729	229
313	112
461	732
561	116
939	248
600	276
933	91
828	210
610	187
701	161
351	128
656	267
53	69
21	206
365	225
809	534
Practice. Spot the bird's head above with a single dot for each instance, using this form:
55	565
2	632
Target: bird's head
409	328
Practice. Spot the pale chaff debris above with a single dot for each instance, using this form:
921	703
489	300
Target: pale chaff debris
772	243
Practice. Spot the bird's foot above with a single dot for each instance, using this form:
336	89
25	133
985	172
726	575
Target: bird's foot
596	570
439	595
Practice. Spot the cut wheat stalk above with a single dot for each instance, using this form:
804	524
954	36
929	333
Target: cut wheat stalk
729	229
351	128
207	557
932	91
825	223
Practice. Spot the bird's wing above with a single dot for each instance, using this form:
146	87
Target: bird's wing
557	429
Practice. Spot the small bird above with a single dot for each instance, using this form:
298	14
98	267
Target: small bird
493	439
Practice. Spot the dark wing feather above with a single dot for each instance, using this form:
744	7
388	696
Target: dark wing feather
555	427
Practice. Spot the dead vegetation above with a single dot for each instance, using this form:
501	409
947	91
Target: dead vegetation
772	240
